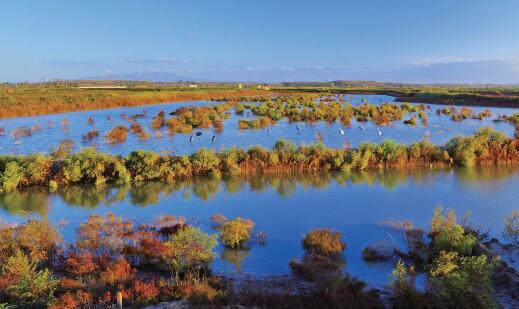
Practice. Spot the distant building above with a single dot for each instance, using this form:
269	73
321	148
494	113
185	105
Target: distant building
240	86
264	87
193	86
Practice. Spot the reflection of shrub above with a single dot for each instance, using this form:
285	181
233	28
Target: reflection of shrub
512	227
323	241
217	220
236	233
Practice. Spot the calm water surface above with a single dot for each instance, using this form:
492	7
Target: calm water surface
439	130
286	206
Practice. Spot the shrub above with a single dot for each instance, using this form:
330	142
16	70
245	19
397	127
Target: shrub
462	282
90	135
117	135
236	233
11	177
447	235
64	149
323	241
104	234
411	121
404	294
189	249
144	165
146	292
30	287
37	239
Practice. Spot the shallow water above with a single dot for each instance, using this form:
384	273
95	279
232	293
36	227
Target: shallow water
439	130
286	206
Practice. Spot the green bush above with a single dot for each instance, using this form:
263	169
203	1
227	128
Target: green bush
447	235
143	165
189	249
11	176
462	282
236	233
30	287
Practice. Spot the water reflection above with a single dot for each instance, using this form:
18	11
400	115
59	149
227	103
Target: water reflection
37	201
235	257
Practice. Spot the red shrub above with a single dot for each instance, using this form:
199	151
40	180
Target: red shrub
119	272
145	292
81	264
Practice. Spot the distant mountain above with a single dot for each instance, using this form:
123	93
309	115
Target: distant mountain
146	76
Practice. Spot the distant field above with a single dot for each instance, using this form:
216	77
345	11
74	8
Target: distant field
447	95
32	100
39	99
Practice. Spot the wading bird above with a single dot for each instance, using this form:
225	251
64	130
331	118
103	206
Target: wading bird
378	129
268	130
213	139
341	131
298	128
361	128
191	138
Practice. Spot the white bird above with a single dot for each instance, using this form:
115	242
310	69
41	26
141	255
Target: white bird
298	128
361	128
341	130
213	139
191	138
378	129
268	130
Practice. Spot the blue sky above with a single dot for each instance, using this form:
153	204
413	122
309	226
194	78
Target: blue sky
408	41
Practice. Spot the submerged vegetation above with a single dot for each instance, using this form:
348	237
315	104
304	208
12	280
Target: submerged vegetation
89	166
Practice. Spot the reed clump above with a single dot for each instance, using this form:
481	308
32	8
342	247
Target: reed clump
87	165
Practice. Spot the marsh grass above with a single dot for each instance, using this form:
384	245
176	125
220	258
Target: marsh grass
29	100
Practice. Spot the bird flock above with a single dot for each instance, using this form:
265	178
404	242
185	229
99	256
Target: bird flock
319	136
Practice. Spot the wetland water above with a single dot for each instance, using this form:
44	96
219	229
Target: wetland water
286	206
283	206
72	126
